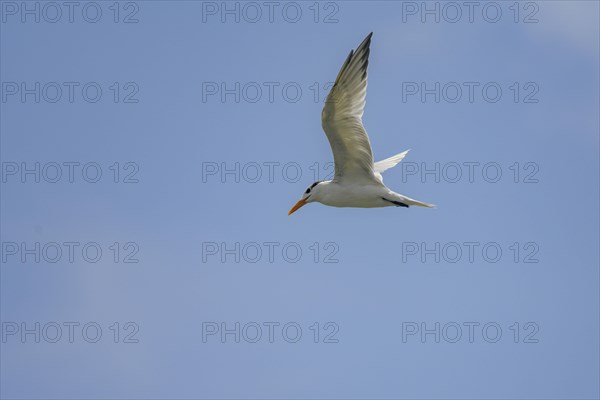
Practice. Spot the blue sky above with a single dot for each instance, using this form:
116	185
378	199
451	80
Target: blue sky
207	131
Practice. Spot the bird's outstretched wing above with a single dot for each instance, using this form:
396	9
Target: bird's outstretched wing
380	166
342	118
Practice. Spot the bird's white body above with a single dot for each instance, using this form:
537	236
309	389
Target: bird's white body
357	181
341	194
367	195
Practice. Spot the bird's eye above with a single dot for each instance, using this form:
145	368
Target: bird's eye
307	191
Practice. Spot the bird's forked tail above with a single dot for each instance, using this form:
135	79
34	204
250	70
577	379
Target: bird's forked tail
410	202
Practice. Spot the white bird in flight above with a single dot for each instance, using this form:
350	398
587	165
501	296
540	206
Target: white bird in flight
357	181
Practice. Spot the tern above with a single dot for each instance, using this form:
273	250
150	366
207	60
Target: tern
357	181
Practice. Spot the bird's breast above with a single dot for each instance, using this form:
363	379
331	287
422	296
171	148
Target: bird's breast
362	196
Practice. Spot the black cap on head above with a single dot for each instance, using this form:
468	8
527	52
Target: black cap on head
312	186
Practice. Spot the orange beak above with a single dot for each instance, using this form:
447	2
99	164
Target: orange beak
299	204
